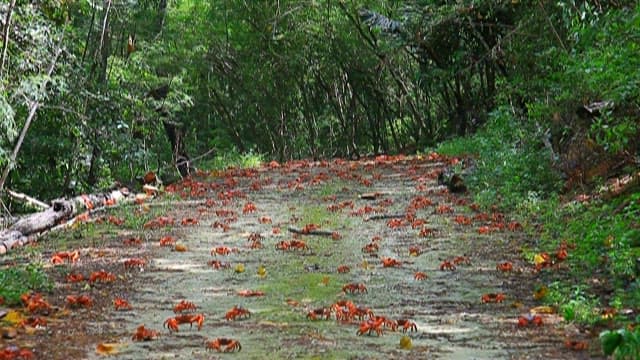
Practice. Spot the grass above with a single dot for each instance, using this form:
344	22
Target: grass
514	172
233	159
330	188
17	280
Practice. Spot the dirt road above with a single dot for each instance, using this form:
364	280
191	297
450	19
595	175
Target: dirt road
361	214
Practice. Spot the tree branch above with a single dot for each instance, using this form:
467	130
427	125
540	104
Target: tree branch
33	107
5	36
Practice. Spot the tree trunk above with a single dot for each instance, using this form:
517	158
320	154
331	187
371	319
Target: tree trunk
5	36
175	133
32	226
32	113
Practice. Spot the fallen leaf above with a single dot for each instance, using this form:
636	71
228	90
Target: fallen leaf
542	310
108	348
13	317
262	272
540	292
517	304
405	343
239	268
8	332
180	248
538	259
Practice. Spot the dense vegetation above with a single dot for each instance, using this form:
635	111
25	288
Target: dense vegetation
543	96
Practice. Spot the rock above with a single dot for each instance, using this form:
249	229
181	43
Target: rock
453	181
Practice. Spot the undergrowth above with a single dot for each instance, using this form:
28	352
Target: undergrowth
510	163
512	169
234	159
17	280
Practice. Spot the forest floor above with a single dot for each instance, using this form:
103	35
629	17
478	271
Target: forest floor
451	319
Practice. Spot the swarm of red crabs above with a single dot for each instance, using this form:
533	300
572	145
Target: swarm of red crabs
363	319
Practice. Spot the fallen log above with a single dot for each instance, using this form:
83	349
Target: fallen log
312	232
385	217
27	200
60	211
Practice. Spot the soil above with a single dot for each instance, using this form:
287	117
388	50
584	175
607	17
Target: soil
359	200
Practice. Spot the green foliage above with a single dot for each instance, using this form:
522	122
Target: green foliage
234	159
17	280
622	343
605	241
511	166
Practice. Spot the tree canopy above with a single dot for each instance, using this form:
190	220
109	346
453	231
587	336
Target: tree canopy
140	84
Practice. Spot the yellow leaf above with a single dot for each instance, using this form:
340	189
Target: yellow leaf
239	268
538	259
262	272
542	310
180	248
108	348
405	343
13	317
365	265
608	241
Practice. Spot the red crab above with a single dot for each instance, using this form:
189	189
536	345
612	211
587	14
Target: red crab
73	277
576	345
102	276
221	250
82	300
184	305
415	251
426	232
224	345
514	226
134	262
172	323
420	276
121	304
237	312
395	223
354	287
461	260
407	325
250	293
527	320
371	326
264	220
319	313
462	220
189	221
390	262
169	241
504	266
484	230
447	265
493	298
60	257
249	208
143	334
309	228
132	241
444	209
